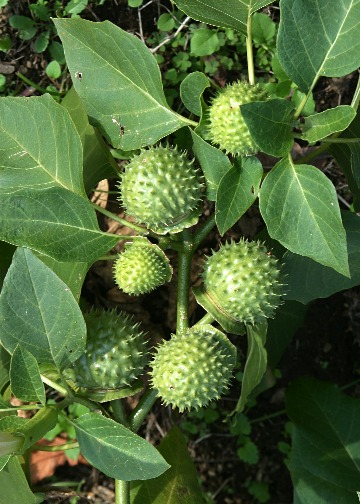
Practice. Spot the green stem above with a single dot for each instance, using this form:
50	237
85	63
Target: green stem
268	417
54	448
203	231
124	222
356	98
122	492
249	52
119	412
207	319
54	385
36	86
182	322
139	414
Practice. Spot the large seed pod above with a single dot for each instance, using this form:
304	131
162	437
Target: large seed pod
227	127
241	284
141	268
190	370
162	189
115	353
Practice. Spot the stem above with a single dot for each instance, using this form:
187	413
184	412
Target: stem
182	323
54	385
54	448
122	492
124	222
203	231
35	86
268	417
249	52
119	412
356	97
207	319
139	414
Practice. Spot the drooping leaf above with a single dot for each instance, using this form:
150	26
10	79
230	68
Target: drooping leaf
191	90
213	162
325	123
38	311
237	191
98	162
255	365
12	478
116	451
300	208
53	221
177	485
25	377
308	280
269	124
318	39
224	13
325	455
119	83
40	146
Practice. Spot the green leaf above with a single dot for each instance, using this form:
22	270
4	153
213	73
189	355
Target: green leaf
76	6
204	42
38	311
166	22
57	52
5	42
6	253
119	82
318	39
325	123
346	156
135	3
116	451
25	25
269	124
262	28
98	162
41	42
53	70
55	222
237	191
224	13
248	453
255	365
300	208
5	359
308	280
179	484
25	377
214	163
12	477
191	91
40	146
325	455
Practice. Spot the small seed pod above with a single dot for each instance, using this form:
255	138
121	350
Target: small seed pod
141	268
115	353
227	127
241	284
189	371
161	188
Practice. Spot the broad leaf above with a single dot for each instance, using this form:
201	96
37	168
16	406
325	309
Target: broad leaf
53	221
269	124
177	485
318	39
308	280
191	90
300	208
255	365
237	191
325	456
38	311
116	451
25	377
40	146
213	162
119	82
343	153
224	13
14	486
325	123
5	358
98	162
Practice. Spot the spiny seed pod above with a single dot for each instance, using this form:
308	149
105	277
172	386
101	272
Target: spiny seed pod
115	353
141	268
227	127
161	188
241	284
189	371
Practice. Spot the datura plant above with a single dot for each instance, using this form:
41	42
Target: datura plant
184	176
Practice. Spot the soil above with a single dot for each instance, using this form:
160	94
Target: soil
325	347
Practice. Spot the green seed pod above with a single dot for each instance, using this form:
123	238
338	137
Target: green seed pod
161	188
189	371
141	268
241	284
115	353
227	127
